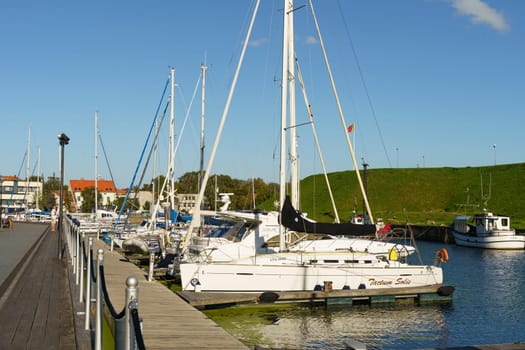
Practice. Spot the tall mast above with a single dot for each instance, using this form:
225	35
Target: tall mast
294	160
171	151
284	100
38	181
203	87
27	168
154	188
96	164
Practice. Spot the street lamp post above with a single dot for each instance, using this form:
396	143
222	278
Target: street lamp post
1	202
63	140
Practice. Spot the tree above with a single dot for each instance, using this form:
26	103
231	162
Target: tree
131	204
88	199
49	188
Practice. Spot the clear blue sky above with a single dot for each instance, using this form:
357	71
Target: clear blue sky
440	83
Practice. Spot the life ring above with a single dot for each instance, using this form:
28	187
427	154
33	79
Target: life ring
441	256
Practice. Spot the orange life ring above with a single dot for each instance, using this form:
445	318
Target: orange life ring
441	256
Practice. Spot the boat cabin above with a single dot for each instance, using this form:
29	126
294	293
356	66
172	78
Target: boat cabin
482	224
488	222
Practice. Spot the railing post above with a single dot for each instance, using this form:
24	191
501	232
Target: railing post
132	292
88	284
81	270
76	239
151	265
70	242
98	313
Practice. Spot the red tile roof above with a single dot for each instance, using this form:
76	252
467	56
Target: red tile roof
81	185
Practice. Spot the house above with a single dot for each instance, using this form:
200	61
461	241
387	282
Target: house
106	188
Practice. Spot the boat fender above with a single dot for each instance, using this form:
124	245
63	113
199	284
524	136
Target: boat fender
445	291
392	254
442	256
268	297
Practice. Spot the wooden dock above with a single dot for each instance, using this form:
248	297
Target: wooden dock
168	321
437	292
36	309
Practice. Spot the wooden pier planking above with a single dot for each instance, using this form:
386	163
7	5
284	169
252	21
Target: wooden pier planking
36	309
168	321
204	299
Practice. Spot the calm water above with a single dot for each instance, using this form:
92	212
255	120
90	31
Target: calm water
488	307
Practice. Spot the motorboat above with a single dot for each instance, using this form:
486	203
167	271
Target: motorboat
486	230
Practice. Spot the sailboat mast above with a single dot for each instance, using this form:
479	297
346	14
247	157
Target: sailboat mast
203	88
284	100
153	176
171	151
96	164
38	181
27	168
294	161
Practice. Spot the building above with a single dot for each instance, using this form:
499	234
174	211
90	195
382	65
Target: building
186	201
106	188
17	194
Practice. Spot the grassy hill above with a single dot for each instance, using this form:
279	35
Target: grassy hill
420	195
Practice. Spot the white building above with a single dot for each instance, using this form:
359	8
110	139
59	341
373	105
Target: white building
106	188
17	194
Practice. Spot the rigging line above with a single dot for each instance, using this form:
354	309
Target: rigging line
314	132
341	115
172	166
152	150
188	109
107	163
298	125
361	76
142	153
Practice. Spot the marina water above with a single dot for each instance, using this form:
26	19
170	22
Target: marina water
488	307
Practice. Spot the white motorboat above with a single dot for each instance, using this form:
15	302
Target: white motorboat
486	231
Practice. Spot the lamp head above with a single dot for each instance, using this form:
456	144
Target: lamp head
63	139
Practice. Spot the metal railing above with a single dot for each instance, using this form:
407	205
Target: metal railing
93	293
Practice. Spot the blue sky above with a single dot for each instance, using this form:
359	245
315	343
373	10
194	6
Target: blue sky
436	83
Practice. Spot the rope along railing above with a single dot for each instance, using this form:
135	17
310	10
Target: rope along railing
94	292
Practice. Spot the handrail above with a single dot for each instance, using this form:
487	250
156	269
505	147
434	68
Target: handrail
95	276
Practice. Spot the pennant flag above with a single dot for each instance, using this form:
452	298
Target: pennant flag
350	128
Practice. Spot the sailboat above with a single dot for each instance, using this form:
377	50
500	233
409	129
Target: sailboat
283	269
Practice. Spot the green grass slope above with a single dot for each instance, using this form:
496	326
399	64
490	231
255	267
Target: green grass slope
420	195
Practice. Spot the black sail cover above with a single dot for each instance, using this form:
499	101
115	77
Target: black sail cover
293	220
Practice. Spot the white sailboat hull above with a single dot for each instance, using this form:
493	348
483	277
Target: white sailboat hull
296	277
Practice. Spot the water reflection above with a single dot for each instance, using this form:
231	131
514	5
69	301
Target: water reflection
319	327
